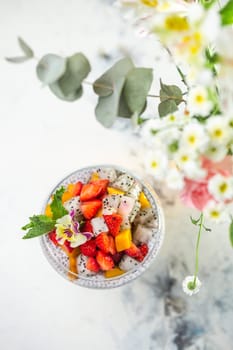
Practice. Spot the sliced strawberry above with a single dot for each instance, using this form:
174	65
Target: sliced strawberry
117	257
105	261
103	242
77	188
88	248
112	246
133	251
93	190
52	237
87	227
92	265
89	209
67	247
144	249
113	222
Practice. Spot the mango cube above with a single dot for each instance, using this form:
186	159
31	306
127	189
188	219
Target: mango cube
94	177
66	196
48	211
114	272
144	201
123	240
112	190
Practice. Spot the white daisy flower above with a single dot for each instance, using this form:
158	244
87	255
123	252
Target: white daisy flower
189	163
218	130
198	102
216	152
175	179
188	285
216	212
156	164
221	187
150	129
194	137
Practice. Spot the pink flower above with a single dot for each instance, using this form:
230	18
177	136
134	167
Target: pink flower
225	167
195	194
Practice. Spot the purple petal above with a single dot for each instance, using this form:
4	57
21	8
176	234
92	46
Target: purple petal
72	213
88	235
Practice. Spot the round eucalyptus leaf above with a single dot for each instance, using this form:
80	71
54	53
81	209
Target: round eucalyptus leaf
57	91
51	68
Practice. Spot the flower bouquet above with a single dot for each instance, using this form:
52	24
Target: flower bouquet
188	142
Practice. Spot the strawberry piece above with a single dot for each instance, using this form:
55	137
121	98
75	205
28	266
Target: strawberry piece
92	265
117	257
103	242
93	190
113	222
87	227
67	247
89	209
105	261
133	251
77	188
52	237
112	246
88	248
144	249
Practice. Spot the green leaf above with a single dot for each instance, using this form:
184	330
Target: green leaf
77	69
38	226
170	92
207	228
231	232
50	68
137	86
195	221
25	48
107	108
104	85
207	3
57	91
123	109
56	205
19	59
226	13
166	107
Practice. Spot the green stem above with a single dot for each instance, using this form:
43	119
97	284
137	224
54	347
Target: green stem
197	249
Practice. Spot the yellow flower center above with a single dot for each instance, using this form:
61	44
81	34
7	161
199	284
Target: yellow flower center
193	43
184	158
192	139
223	187
151	3
199	98
154	164
214	214
176	23
218	133
172	118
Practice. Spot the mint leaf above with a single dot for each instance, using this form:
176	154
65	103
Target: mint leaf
226	13
38	226
231	232
56	206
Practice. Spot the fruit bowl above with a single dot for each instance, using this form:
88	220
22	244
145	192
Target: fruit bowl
60	261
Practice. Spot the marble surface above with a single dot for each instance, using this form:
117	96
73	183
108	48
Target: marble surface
44	139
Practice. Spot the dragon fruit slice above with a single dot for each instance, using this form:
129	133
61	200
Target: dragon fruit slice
142	234
124	182
126	207
134	212
82	266
111	204
135	190
107	173
73	204
127	263
146	217
99	225
125	224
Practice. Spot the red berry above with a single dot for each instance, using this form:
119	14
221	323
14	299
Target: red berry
77	188
89	209
117	257
87	227
144	249
102	242
93	190
92	265
133	251
52	237
113	222
88	248
105	261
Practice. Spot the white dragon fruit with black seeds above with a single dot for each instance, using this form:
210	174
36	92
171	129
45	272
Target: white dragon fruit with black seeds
82	266
107	173
134	212
135	190
146	217
142	234
111	204
124	182
73	204
98	224
126	207
127	263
